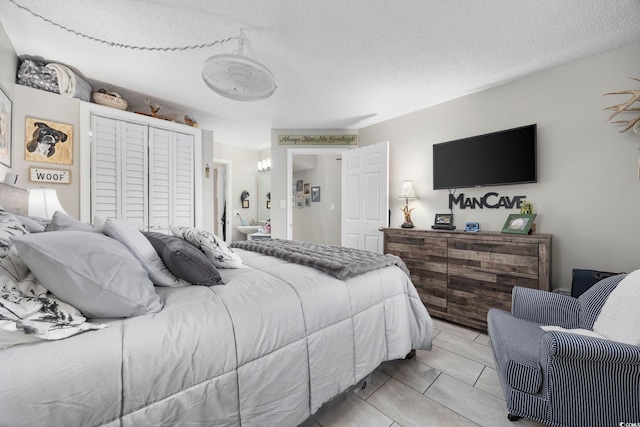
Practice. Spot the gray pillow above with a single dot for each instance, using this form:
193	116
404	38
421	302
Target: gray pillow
90	271
184	260
33	224
62	221
134	240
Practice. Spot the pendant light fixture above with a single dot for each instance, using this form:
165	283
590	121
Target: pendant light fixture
237	77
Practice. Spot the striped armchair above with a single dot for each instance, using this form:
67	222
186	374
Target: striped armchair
560	378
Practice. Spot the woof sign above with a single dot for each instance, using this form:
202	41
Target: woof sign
50	175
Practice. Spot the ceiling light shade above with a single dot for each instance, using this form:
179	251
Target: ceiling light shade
238	77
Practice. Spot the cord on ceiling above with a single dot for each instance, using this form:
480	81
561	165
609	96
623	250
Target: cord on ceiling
123	45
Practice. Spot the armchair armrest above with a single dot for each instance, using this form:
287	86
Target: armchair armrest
592	349
545	308
590	381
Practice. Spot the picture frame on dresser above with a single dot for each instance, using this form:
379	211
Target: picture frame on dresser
6	107
518	223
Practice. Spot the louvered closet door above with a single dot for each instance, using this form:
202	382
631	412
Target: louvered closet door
183	182
134	163
119	170
171	179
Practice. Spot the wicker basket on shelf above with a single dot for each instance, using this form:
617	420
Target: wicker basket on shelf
110	99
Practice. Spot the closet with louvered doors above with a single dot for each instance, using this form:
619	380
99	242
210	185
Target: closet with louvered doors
142	174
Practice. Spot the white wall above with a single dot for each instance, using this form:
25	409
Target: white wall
244	176
8	70
49	106
319	223
587	195
207	182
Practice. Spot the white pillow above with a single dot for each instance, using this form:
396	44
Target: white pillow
143	250
90	271
29	313
619	319
214	248
571	331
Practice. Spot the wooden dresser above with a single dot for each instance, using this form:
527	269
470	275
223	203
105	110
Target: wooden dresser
460	275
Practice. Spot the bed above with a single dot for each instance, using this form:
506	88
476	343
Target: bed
268	347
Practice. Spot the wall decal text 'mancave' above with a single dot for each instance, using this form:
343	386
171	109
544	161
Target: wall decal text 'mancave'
490	201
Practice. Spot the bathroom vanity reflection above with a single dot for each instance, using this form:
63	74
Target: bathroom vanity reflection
264	196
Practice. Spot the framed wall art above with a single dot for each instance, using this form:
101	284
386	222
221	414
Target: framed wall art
315	194
518	223
48	142
56	176
5	129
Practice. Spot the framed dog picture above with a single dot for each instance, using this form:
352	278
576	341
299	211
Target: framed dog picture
48	142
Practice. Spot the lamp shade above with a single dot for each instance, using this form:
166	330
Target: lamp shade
407	191
43	202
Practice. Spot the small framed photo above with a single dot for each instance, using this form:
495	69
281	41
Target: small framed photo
268	204
315	194
299	202
298	185
245	204
307	201
518	223
443	219
307	189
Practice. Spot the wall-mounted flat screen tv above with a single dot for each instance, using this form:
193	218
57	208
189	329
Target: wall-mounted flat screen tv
498	158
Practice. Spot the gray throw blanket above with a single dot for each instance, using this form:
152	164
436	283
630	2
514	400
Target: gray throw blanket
337	261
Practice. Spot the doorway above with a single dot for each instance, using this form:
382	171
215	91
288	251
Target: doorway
222	199
309	220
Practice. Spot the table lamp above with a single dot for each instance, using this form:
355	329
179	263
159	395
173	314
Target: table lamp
407	193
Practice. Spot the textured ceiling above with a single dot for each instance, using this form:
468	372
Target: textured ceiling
337	63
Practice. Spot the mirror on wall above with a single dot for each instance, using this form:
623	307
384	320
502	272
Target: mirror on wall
264	196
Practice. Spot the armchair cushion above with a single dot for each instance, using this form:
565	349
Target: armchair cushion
619	317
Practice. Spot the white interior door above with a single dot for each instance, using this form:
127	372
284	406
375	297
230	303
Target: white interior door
365	196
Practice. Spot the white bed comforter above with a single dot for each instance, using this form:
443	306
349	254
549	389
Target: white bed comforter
266	349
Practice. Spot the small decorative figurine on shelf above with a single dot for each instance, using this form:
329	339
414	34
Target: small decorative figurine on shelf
407	217
154	108
526	207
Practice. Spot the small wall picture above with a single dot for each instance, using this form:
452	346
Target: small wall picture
518	223
48	142
245	204
299	202
299	185
5	129
268	204
307	189
315	194
307	201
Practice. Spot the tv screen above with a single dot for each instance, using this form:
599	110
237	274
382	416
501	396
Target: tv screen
498	158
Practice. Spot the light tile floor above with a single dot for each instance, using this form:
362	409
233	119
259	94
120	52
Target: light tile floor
455	384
